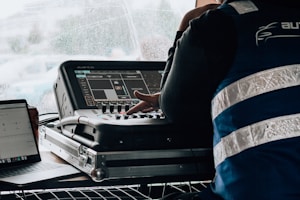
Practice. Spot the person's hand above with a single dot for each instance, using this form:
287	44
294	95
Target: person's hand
148	103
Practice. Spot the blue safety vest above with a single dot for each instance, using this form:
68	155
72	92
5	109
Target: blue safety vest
256	109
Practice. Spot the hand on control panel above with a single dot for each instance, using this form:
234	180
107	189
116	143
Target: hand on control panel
148	103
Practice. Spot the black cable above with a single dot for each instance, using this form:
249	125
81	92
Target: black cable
53	116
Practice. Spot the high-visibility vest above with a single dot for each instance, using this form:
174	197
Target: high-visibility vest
256	109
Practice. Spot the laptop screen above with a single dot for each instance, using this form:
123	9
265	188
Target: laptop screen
17	140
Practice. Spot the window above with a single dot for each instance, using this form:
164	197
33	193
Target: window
38	35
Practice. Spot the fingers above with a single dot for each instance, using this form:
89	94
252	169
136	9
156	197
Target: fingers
152	99
140	107
148	103
136	108
142	96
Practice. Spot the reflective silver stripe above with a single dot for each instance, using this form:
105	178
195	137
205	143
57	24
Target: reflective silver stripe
255	84
256	134
243	7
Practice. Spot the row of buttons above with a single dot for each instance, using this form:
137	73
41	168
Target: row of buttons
117	110
118	116
114	108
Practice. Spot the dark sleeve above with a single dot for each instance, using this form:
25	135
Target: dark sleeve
201	57
170	59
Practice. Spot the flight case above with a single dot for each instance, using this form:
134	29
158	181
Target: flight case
167	164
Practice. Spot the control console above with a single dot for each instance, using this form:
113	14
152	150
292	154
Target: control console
92	99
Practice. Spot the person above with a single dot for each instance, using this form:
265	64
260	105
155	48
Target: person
238	64
185	108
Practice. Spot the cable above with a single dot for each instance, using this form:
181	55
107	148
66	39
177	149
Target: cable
51	118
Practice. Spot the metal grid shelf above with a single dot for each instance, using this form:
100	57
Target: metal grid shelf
124	192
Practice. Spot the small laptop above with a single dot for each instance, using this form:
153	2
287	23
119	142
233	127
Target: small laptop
20	159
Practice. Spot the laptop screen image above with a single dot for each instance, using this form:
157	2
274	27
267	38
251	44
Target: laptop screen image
17	141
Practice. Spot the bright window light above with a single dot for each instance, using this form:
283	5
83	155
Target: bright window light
36	36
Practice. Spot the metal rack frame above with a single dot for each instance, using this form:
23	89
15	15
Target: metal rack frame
124	192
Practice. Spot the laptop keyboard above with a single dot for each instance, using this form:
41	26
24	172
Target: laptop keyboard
34	167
